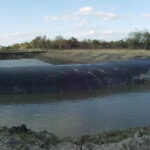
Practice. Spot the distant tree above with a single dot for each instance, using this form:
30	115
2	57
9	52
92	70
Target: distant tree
146	40
72	43
60	42
96	44
135	40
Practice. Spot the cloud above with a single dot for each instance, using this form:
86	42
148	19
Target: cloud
145	16
108	32
80	24
103	15
19	34
51	18
81	12
107	15
60	18
104	32
98	34
17	37
92	32
85	10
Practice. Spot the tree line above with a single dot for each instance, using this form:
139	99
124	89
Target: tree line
134	40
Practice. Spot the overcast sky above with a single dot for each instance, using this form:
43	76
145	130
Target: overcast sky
23	20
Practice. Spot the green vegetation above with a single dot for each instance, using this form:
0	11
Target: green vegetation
135	40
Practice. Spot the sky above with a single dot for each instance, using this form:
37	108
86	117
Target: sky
23	20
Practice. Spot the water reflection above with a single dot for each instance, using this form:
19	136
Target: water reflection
77	113
68	96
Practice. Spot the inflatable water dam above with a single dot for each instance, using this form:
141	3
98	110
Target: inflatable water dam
34	76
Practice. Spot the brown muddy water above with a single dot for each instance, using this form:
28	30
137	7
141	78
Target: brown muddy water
77	113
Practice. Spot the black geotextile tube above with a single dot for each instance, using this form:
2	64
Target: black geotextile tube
60	78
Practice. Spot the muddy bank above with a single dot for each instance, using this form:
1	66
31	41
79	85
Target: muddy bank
75	56
19	54
33	76
22	138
